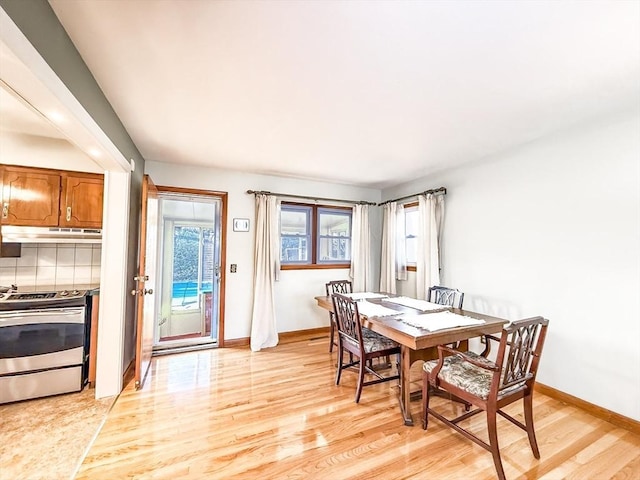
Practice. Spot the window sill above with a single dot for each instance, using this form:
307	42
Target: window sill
315	267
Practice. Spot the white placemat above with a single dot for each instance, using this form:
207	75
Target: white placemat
364	295
369	309
439	321
417	304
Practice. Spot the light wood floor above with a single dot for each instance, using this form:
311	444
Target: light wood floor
276	414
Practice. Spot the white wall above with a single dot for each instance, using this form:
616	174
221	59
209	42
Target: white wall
295	307
553	229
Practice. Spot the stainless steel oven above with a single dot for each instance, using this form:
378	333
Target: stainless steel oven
43	344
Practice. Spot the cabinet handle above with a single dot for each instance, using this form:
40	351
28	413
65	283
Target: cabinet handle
68	214
5	210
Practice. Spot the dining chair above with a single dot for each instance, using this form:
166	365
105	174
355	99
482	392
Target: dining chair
487	385
451	297
445	296
336	286
362	344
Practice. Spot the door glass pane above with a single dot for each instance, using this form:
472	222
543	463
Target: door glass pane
186	241
190	253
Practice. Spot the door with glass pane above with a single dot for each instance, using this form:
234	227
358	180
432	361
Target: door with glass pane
191	270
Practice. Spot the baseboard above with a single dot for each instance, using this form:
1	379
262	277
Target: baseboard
599	412
129	373
237	342
284	337
309	334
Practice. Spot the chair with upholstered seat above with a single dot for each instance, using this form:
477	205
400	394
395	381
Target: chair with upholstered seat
362	344
488	385
336	286
445	296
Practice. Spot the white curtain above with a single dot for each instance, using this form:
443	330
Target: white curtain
264	333
360	272
393	263
431	214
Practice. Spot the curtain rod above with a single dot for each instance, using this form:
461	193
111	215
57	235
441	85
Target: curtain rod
435	190
263	192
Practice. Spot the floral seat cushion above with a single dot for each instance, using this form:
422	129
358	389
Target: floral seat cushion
467	376
373	341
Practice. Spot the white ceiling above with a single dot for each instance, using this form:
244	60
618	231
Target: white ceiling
370	93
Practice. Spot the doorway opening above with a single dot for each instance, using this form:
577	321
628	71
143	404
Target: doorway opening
191	263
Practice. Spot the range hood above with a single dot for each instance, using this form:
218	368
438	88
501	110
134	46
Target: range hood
11	234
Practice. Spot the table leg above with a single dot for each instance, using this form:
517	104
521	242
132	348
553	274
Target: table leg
405	385
408	358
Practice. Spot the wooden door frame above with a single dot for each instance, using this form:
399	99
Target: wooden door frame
223	196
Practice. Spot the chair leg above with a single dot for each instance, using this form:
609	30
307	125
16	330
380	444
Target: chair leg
425	400
331	335
528	420
493	442
339	367
360	379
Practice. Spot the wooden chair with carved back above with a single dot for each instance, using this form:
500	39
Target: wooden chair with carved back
445	296
488	385
451	297
336	286
363	344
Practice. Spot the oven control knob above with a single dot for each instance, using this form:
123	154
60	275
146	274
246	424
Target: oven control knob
64	293
75	292
2	295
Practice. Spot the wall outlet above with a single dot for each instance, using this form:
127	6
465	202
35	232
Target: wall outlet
234	268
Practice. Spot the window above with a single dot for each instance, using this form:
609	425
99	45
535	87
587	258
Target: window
295	234
314	236
411	221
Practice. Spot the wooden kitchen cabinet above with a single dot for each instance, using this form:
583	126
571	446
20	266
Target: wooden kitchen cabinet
30	197
33	197
81	200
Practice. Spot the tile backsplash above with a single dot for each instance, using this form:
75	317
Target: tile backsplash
51	264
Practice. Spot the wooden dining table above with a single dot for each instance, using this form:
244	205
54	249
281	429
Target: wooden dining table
419	344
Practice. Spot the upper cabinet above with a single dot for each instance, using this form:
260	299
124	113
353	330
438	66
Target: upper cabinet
30	198
81	200
33	197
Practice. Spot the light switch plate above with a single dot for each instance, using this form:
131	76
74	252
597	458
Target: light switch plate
240	224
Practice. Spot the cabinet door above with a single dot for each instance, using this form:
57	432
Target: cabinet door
81	200
30	198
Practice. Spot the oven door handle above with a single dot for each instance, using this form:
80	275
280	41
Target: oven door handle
24	317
